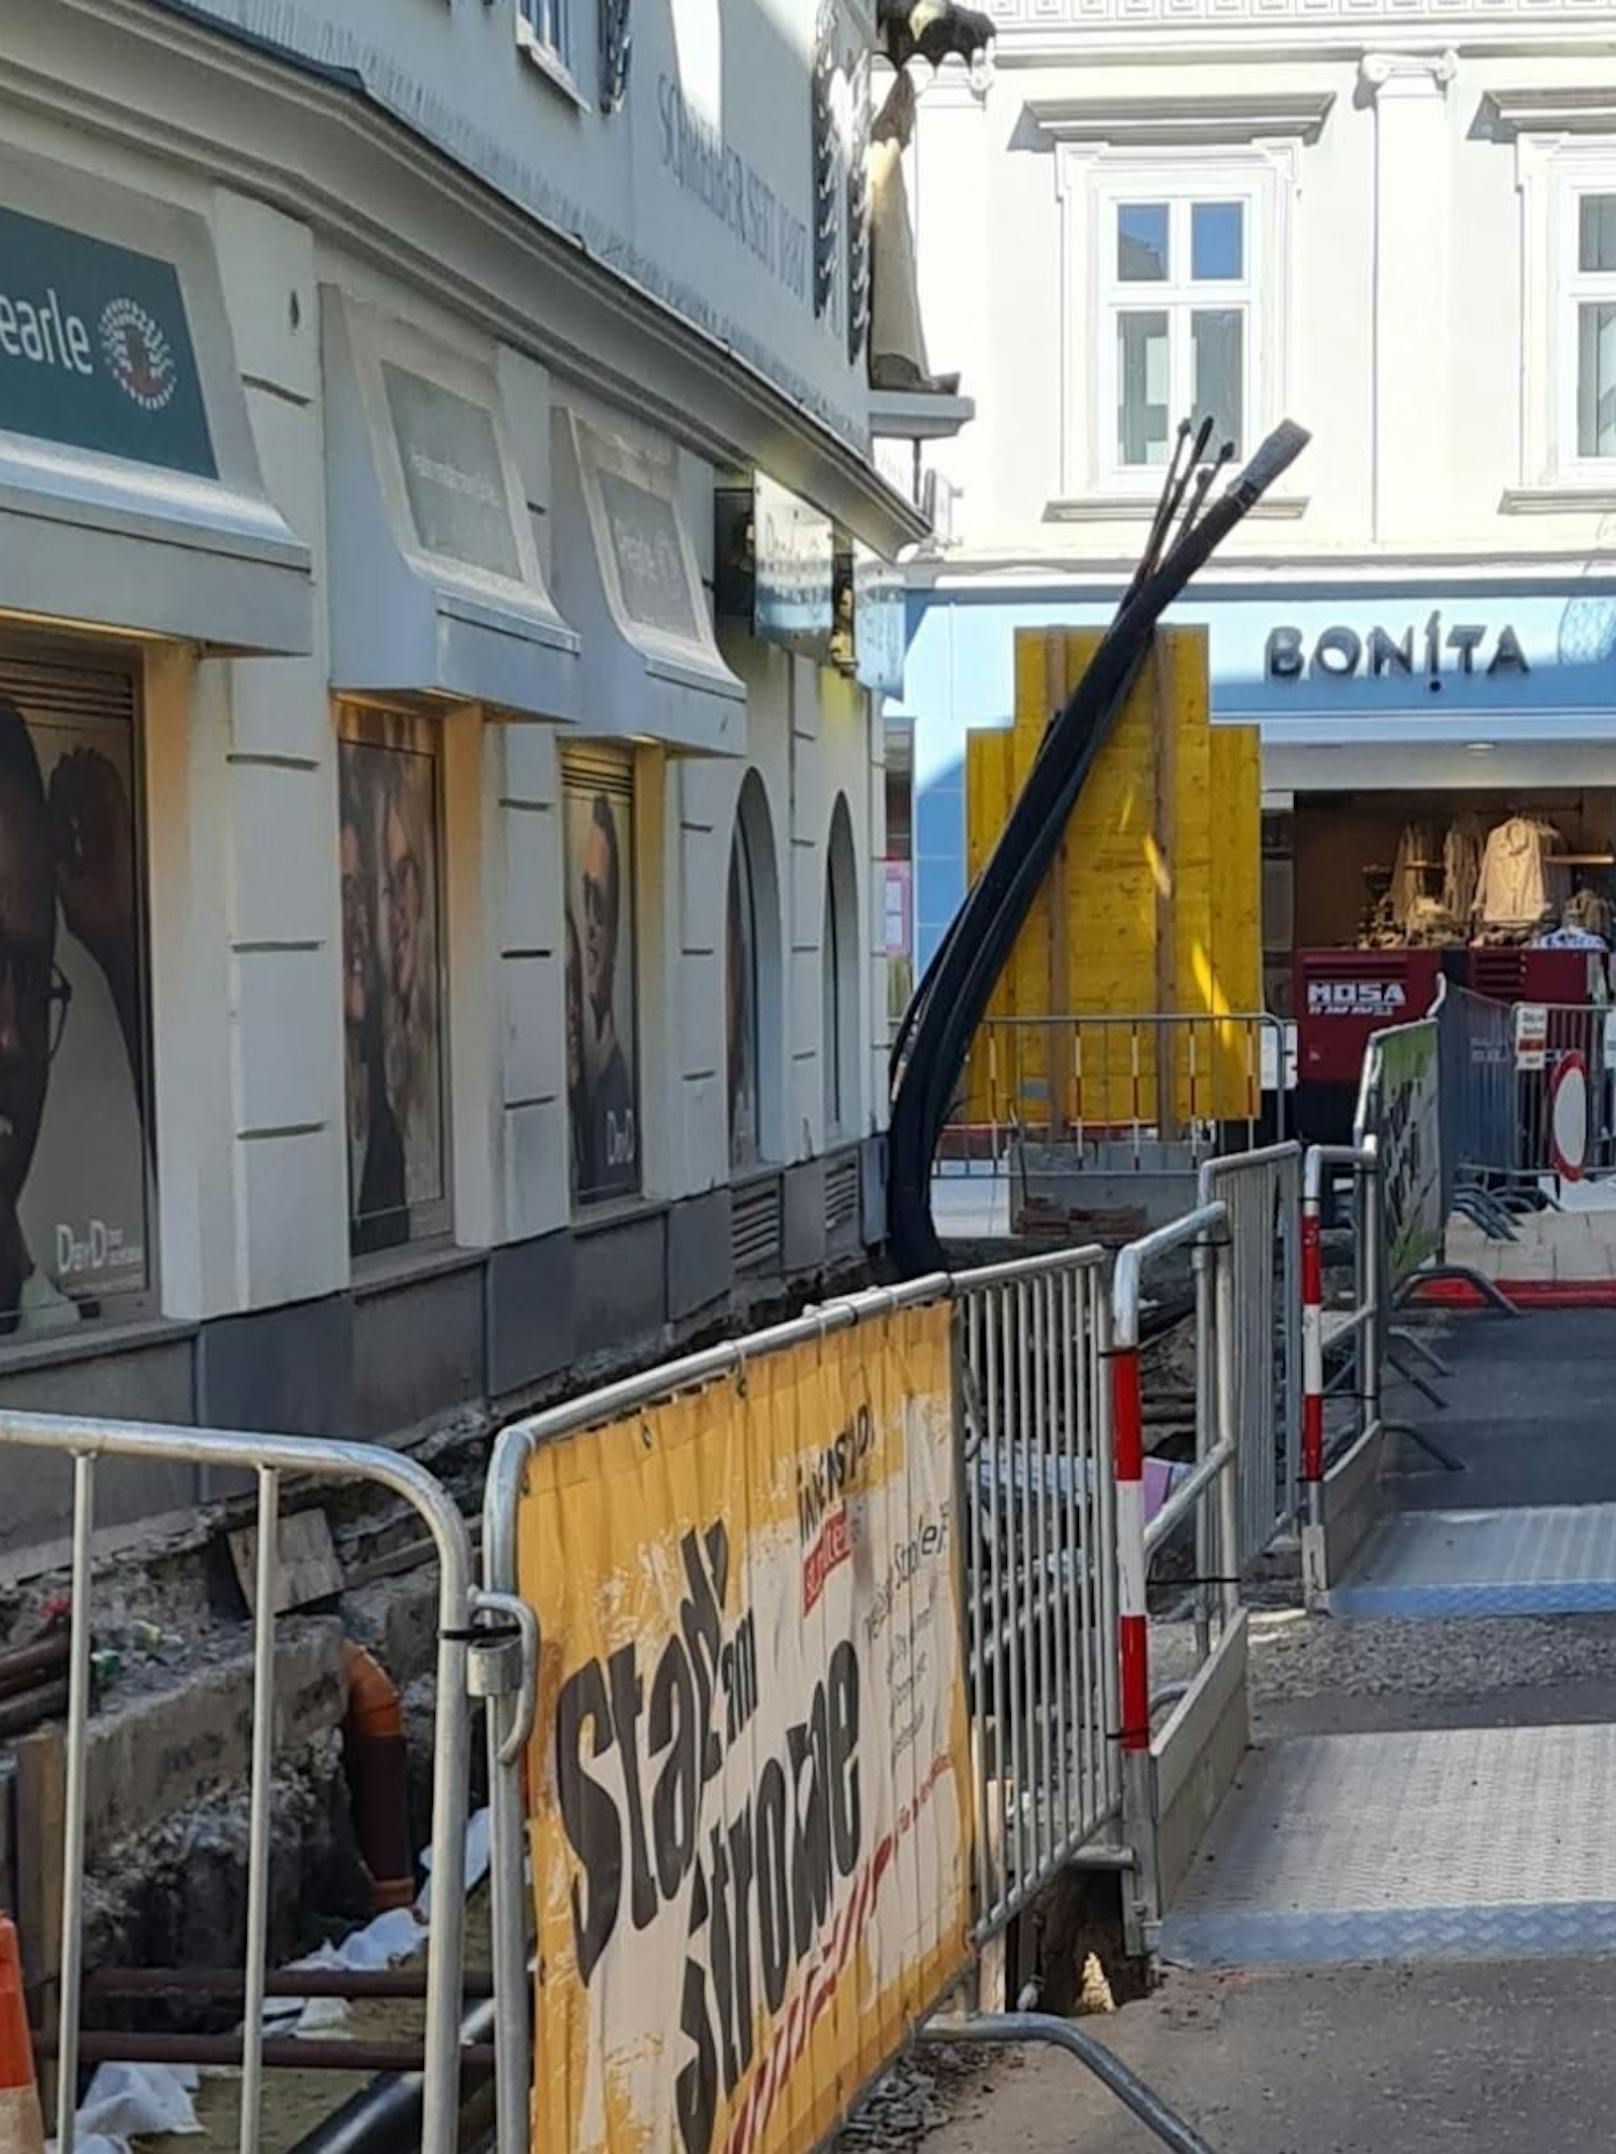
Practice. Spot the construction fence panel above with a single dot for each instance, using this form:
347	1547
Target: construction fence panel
822	1688
271	1460
750	1790
1400	1108
1261	1192
1039	1570
1564	1088
1479	1102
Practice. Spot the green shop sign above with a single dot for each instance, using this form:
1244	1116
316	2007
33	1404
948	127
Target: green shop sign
95	349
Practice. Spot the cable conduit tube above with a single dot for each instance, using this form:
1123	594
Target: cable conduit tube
974	954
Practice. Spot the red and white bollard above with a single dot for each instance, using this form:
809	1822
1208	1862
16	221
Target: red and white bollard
1133	1622
1312	1343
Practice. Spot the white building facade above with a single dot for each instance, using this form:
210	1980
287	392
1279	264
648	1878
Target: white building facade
440	891
1395	223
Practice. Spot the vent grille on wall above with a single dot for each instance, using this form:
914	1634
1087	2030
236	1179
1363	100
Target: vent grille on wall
1500	974
755	1228
841	1194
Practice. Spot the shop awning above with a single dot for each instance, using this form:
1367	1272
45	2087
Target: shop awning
627	576
436	587
130	494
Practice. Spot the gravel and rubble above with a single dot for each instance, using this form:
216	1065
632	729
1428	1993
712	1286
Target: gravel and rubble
921	2092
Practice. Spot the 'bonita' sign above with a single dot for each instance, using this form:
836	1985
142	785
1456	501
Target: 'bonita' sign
1343	653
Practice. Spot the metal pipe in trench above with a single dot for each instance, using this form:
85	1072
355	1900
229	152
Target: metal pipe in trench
385	2117
389	1982
295	2053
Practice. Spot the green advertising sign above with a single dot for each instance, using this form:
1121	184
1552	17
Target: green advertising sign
95	349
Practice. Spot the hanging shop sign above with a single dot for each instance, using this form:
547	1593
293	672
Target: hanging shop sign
880	636
793	554
1434	648
95	349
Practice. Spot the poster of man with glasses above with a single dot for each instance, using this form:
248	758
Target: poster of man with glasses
601	1060
73	1158
388	785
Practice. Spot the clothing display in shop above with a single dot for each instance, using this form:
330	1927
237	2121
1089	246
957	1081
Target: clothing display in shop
1515	890
1588	911
1505	885
1414	852
1461	866
1569	938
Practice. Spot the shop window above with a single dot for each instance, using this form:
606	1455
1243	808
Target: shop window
394	1000
840	977
602	944
752	977
76	1196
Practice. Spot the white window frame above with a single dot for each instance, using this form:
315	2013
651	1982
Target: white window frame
544	31
1553	174
1178	297
1093	180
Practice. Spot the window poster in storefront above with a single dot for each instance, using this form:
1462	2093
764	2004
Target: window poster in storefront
741	1003
602	1061
74	1158
392	982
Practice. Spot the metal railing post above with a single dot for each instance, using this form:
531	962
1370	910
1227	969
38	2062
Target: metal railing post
1228	1483
1312	1334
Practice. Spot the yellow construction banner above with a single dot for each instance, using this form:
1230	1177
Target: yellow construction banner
749	1785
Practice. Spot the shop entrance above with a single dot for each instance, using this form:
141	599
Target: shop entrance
1376	894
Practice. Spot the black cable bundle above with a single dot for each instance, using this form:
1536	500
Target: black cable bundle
952	998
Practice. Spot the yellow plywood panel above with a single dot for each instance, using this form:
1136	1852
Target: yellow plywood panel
1150	907
989	792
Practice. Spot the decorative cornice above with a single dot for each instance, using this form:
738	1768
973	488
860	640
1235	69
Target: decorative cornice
1512	113
1029	27
1124	121
1171	14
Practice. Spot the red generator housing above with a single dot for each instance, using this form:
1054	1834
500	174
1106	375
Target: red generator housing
1342	996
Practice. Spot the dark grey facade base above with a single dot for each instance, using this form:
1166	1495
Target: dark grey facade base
425	1335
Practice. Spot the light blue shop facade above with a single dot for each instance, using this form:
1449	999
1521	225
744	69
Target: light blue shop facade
1424	689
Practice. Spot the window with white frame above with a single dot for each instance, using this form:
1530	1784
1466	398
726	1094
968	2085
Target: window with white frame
545	22
1568	310
1177	320
1591	289
1177	271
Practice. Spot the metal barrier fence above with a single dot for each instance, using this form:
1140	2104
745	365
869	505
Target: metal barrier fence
1356	1326
1342	1356
1479	1105
1400	1112
1206	1499
1528	1089
1262	1194
1040	1684
1040	1598
84	1442
1564	1089
1125	1086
